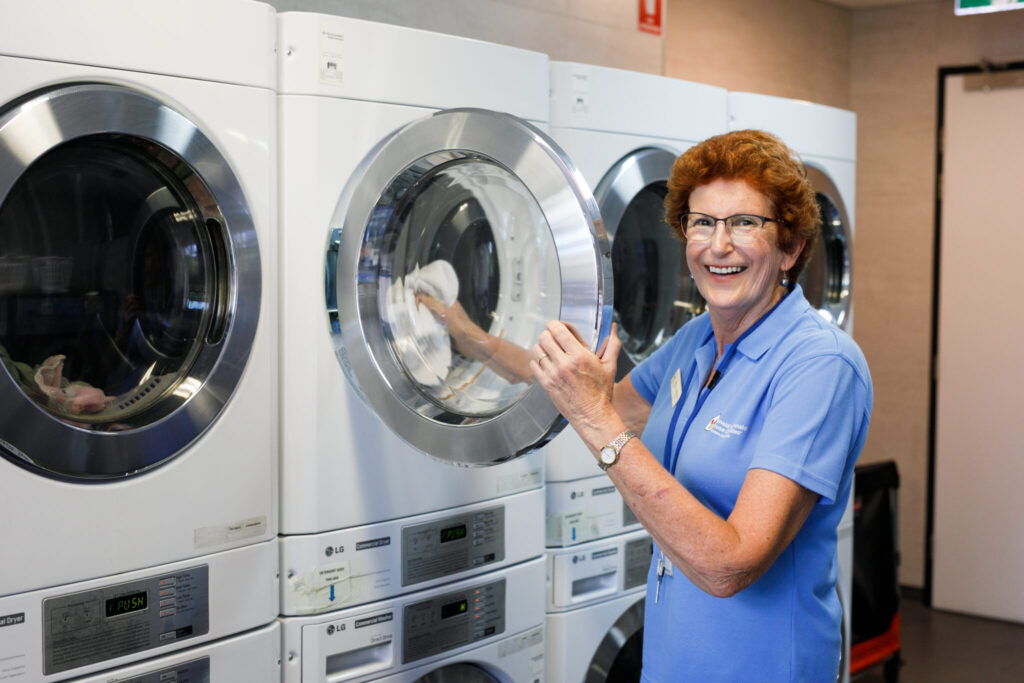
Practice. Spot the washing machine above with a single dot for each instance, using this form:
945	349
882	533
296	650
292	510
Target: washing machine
595	609
253	656
624	130
485	628
138	438
826	140
404	171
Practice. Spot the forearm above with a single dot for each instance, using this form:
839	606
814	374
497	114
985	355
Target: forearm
702	545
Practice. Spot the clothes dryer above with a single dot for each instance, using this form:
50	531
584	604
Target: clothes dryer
624	130
388	193
486	628
826	140
595	609
138	438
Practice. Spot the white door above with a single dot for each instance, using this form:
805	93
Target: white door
978	541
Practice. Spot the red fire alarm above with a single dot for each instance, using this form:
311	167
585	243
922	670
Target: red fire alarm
649	18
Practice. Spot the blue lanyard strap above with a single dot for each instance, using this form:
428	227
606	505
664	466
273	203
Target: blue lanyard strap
671	462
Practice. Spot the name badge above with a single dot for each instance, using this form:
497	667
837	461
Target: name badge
677	387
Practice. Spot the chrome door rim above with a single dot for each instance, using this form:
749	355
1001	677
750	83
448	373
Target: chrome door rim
836	311
584	261
42	121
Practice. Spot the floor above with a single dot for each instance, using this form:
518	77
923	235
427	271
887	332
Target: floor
943	647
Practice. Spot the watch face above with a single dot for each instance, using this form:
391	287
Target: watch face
607	455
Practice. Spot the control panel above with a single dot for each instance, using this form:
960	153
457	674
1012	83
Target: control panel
454	544
454	619
121	619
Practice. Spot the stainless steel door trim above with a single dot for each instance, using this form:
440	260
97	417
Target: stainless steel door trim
28	130
626	179
583	260
835	246
628	625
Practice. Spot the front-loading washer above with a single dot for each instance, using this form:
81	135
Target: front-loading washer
138	437
826	140
398	447
595	609
624	130
486	625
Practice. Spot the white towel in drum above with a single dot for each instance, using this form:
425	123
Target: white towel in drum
420	339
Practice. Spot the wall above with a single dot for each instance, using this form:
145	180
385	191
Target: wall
600	32
790	48
895	56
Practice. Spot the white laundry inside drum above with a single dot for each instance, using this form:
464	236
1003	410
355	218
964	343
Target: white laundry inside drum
421	340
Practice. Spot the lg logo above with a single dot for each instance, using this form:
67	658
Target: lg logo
331	549
331	629
576	494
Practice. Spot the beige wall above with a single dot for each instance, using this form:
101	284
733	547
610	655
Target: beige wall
600	32
796	48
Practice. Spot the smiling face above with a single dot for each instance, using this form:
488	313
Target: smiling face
739	281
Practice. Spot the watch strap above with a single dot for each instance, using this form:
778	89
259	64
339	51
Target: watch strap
616	445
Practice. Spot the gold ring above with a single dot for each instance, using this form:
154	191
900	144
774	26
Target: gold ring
541	357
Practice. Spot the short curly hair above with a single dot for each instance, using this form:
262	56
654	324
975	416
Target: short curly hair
769	166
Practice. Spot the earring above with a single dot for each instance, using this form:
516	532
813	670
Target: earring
785	280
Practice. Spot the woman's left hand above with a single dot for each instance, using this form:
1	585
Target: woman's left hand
579	382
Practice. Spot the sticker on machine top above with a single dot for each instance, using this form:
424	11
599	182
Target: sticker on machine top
207	536
332	51
12	619
580	89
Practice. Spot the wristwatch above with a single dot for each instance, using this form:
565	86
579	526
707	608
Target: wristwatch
609	454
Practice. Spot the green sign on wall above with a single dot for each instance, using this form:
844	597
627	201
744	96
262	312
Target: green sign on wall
978	6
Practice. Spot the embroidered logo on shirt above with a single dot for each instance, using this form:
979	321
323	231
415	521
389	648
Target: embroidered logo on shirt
723	429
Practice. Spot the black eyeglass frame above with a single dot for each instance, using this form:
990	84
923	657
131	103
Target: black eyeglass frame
725	221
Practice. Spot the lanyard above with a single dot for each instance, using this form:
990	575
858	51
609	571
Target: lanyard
671	456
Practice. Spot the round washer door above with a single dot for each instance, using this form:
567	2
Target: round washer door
654	295
129	282
828	274
619	656
461	236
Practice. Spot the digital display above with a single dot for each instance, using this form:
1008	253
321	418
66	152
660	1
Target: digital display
454	609
453	533
125	604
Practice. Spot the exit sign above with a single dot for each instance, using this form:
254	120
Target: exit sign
979	6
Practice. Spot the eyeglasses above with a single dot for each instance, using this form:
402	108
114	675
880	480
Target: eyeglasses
743	227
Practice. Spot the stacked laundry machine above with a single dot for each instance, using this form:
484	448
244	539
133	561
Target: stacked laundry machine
138	338
429	229
624	130
826	140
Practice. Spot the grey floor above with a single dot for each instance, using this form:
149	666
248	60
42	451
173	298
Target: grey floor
942	647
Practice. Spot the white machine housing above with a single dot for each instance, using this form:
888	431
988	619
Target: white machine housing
216	498
595	642
82	628
422	631
597	570
604	118
826	140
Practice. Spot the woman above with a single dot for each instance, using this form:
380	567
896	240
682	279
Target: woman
750	420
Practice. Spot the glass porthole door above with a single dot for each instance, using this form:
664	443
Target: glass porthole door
654	295
459	237
129	282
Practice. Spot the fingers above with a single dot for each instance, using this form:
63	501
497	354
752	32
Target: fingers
609	350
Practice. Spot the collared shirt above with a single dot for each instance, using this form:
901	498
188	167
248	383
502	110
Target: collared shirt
794	398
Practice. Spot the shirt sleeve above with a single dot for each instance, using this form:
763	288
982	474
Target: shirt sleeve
816	423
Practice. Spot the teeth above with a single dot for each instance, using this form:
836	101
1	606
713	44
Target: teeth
725	271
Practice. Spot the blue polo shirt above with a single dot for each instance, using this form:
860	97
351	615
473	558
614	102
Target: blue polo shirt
794	397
